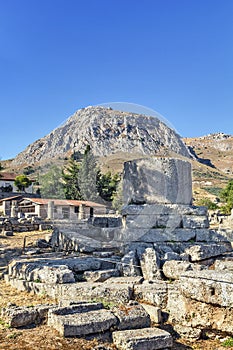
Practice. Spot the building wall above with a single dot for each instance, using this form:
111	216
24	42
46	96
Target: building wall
5	183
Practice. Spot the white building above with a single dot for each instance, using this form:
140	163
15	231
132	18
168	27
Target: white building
7	183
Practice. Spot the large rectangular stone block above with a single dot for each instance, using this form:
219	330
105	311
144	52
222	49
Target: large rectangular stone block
157	180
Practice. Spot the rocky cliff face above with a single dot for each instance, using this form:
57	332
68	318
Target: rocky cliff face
107	131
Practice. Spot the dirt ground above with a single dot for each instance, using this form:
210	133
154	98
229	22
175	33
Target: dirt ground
44	337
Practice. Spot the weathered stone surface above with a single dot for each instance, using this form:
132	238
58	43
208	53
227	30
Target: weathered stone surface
126	280
163	209
41	273
186	332
120	293
209	286
154	312
165	235
152	293
25	316
83	323
131	316
226	265
205	235
150	264
191	221
130	265
198	315
205	251
143	339
173	269
157	180
100	275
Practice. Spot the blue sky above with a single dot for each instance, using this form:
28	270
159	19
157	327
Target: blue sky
173	56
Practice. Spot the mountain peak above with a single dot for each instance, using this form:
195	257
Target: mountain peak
107	131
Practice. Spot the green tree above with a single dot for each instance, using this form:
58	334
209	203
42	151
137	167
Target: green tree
22	182
51	184
226	196
70	177
117	197
87	179
107	185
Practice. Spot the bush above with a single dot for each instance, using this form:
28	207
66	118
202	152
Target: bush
207	203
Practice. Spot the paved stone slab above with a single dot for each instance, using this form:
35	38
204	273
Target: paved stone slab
142	339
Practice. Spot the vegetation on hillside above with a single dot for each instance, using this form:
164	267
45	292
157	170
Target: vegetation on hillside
226	196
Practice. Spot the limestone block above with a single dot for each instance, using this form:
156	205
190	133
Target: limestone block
154	312
186	312
224	265
205	251
110	292
25	316
150	264
165	235
130	265
173	269
193	221
131	316
163	209
153	293
188	332
209	286
142	339
84	323
157	180
100	275
205	235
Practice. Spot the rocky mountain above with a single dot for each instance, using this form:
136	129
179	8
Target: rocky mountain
214	150
108	132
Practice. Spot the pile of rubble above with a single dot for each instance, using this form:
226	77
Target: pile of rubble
162	264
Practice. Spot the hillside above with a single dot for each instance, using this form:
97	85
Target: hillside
108	132
212	164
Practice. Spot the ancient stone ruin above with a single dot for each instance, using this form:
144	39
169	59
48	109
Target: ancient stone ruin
158	263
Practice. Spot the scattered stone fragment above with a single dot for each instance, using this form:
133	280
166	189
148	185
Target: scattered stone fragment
131	316
154	312
173	269
142	339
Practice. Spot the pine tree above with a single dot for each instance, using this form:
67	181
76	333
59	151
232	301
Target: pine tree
51	185
87	179
70	178
227	196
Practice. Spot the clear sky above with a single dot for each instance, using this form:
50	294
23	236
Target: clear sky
56	56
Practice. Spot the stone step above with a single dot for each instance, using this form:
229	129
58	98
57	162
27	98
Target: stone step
142	339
